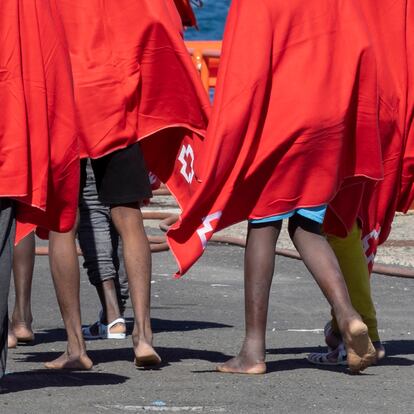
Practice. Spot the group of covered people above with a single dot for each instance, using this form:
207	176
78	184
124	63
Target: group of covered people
311	121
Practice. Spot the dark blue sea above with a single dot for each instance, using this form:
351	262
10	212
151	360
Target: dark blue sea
211	18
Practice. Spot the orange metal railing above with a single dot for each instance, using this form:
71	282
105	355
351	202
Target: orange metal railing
206	57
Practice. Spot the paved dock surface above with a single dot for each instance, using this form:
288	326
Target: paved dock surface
198	322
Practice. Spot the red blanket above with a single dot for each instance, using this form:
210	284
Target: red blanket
134	80
407	185
390	25
39	154
186	12
406	200
294	120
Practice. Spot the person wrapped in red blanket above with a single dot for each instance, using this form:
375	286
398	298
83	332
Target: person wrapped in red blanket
406	197
390	25
141	106
294	125
39	153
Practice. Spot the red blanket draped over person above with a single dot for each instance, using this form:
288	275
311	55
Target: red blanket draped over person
406	201
186	12
389	23
407	185
135	81
39	154
294	118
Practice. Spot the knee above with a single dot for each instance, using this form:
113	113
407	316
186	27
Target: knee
127	218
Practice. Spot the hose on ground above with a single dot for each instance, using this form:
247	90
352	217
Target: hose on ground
159	244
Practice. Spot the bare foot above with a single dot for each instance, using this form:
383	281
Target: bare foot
11	340
242	365
66	361
118	328
360	351
145	355
23	332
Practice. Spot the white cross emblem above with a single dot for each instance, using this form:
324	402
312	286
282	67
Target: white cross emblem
368	249
187	152
152	178
206	228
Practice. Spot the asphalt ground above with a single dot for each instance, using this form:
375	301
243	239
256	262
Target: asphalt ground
199	322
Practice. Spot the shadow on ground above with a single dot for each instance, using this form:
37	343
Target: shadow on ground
166	325
158	325
171	355
103	356
38	379
394	348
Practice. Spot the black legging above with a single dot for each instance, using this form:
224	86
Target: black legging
6	260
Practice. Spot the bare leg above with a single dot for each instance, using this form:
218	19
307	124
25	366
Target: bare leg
259	266
108	297
109	300
64	266
129	223
322	263
23	264
99	242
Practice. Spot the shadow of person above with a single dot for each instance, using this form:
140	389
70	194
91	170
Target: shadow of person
167	325
169	355
393	347
47	336
292	364
296	350
396	347
38	379
395	350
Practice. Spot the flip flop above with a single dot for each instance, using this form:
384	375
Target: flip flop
332	357
104	331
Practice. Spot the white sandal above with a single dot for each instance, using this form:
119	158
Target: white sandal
332	357
104	331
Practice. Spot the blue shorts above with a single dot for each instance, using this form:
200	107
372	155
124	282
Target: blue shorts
312	213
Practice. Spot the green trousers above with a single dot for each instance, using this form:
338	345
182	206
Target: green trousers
351	257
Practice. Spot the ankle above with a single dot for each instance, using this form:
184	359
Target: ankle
145	335
76	345
77	351
254	346
22	319
106	320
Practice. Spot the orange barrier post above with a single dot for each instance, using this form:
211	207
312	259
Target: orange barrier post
206	58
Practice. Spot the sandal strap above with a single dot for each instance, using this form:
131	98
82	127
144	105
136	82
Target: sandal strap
114	322
336	357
